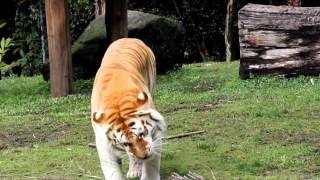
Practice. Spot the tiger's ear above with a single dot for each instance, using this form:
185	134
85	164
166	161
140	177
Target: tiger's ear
154	116
142	98
97	117
101	129
158	118
140	113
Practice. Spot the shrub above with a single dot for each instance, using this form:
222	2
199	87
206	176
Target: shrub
202	19
26	54
5	45
27	38
81	13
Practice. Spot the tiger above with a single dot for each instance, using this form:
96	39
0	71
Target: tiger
123	114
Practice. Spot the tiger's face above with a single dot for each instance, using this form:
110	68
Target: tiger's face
139	136
133	127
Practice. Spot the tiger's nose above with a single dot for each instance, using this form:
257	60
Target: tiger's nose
148	147
146	155
140	135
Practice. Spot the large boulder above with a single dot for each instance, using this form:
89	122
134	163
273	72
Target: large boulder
164	36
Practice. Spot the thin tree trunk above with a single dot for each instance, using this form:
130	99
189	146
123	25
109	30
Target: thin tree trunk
295	3
59	43
201	45
43	49
116	20
228	35
100	7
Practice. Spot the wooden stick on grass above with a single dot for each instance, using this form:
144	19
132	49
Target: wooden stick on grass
184	135
92	145
90	176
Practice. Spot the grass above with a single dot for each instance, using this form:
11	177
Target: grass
265	127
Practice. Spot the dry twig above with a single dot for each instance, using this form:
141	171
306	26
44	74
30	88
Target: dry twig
189	176
92	145
89	176
184	135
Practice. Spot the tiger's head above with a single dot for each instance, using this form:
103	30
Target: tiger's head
138	133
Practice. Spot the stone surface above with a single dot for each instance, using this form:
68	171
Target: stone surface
164	36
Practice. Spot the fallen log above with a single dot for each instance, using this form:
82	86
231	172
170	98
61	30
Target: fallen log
279	40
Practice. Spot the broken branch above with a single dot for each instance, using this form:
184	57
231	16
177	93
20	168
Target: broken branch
169	137
184	135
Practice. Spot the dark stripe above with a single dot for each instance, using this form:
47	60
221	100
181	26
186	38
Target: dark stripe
154	119
148	123
118	148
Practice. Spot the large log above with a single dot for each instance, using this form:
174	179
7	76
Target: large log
279	40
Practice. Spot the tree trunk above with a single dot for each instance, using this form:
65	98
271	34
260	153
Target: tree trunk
100	7
59	44
279	40
228	33
116	20
295	3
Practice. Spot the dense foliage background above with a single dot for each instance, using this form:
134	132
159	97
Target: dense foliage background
202	19
23	25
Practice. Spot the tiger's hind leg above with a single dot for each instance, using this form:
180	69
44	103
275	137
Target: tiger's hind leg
135	168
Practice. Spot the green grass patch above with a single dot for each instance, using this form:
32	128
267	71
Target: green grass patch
265	127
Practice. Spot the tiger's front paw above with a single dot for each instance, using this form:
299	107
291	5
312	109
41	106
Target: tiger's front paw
135	171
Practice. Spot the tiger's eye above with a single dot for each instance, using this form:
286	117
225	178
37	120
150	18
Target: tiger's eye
127	144
132	124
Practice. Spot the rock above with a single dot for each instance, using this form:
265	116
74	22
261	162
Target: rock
88	50
164	36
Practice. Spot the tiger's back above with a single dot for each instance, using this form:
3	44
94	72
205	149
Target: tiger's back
127	68
133	56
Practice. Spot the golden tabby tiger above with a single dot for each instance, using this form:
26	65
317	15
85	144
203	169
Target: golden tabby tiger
123	115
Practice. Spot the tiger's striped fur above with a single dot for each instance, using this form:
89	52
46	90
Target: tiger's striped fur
123	114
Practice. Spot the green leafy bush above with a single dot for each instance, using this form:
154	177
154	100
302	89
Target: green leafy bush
5	44
202	19
26	54
27	38
81	13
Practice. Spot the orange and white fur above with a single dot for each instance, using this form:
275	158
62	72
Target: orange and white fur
123	115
